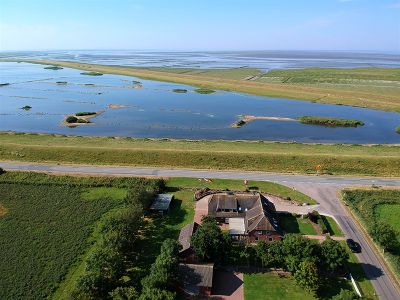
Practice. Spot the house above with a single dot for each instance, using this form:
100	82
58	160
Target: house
196	279
161	203
187	253
250	217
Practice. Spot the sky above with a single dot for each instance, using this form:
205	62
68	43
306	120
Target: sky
200	25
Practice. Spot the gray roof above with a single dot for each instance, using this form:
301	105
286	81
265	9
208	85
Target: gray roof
194	276
237	226
254	208
161	202
185	235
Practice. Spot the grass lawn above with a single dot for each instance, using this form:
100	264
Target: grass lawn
332	226
260	286
367	290
377	160
292	224
364	87
261	186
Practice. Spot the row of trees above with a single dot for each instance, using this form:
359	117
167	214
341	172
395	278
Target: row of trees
163	277
307	260
106	265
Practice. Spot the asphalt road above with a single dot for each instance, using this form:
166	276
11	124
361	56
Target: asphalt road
322	188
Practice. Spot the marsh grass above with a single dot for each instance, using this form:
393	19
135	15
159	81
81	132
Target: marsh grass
330	122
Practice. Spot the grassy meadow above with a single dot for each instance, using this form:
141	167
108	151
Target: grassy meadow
368	160
376	88
373	206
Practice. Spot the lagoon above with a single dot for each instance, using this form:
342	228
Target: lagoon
152	109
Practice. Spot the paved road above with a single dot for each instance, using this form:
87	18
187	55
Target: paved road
322	188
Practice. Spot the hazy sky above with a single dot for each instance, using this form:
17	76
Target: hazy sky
200	24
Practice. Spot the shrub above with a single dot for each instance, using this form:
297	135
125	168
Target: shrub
240	123
2	171
71	119
398	130
322	225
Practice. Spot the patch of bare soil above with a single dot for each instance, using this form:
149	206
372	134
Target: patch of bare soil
3	210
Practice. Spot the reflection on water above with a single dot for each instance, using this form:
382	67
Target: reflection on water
156	111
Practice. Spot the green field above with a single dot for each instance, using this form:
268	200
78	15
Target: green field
47	225
376	88
378	205
376	160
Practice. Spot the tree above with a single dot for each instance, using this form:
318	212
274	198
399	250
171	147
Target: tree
296	248
345	295
334	255
209	242
307	276
124	293
385	235
156	294
2	171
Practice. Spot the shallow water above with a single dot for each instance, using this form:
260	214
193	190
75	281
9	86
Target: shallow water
265	60
158	112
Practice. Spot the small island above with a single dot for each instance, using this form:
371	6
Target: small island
91	73
330	122
204	91
61	82
398	130
179	91
248	118
4	84
26	107
53	68
136	82
81	118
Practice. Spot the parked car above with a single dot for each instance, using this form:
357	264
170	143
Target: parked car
354	246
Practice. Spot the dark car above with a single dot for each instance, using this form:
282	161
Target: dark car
354	246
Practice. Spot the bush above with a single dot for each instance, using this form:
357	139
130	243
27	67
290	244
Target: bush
322	226
2	171
71	119
82	121
398	130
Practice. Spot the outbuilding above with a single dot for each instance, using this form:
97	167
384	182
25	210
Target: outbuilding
161	203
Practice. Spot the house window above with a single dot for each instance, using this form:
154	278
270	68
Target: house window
256	238
270	239
259	232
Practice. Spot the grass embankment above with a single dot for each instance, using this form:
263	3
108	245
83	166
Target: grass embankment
330	122
378	160
378	206
238	185
376	88
47	226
